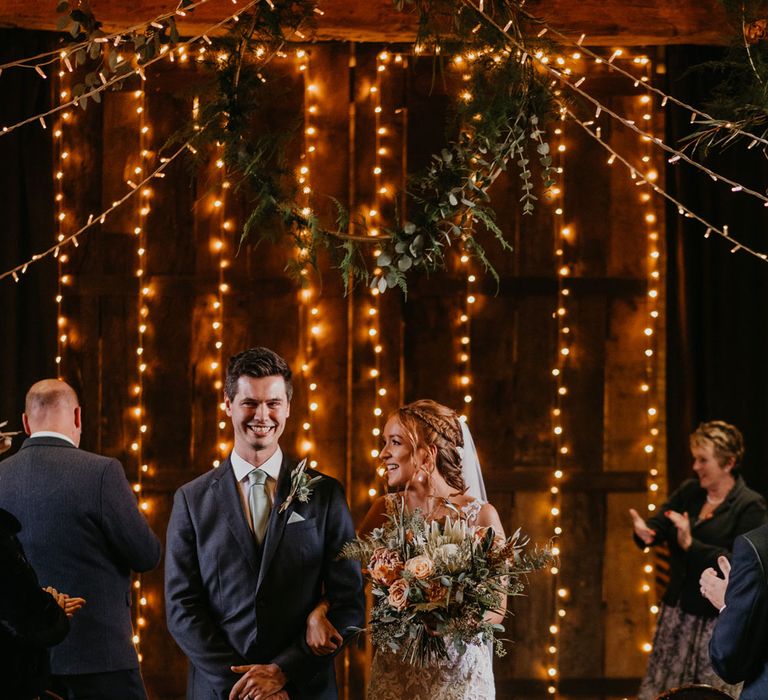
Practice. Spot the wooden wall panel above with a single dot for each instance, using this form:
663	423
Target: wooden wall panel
514	347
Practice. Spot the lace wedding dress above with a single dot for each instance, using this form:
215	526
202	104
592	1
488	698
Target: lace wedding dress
467	676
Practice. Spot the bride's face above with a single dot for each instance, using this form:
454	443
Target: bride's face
396	455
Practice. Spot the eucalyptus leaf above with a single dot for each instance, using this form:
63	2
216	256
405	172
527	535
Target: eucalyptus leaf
384	260
62	6
404	263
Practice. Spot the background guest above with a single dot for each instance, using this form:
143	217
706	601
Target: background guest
739	646
83	532
30	619
700	521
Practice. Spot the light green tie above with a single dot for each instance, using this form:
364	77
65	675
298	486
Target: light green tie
258	502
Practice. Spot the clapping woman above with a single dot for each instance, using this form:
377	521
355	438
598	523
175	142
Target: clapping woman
699	522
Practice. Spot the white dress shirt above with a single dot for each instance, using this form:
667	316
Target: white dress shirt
242	468
51	433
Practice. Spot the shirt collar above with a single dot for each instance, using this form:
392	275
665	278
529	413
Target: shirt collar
243	468
51	433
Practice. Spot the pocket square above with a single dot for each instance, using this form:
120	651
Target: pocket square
295	518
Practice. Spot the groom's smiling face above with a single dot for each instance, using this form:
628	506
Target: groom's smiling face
258	410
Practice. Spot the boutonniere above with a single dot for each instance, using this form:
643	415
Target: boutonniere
301	485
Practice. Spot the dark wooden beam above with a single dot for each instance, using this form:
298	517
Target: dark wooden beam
605	22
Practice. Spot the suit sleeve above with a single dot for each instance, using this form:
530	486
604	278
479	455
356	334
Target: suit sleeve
186	602
124	525
343	585
739	639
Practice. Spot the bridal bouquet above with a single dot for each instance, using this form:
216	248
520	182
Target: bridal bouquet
434	582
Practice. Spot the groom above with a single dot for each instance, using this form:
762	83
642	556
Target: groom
247	559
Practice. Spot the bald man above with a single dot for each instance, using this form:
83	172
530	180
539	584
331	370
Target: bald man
83	533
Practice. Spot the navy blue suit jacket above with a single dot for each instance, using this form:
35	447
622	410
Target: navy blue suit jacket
230	602
83	534
739	645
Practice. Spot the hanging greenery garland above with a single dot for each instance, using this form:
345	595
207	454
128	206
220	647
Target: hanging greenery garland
497	125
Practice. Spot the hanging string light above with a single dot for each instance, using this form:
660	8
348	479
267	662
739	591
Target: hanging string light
142	315
310	321
653	301
374	305
116	80
18	271
46	58
222	228
62	157
563	249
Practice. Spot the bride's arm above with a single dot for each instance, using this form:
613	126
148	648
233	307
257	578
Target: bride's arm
375	517
489	517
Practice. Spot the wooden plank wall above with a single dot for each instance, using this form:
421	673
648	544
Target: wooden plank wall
513	339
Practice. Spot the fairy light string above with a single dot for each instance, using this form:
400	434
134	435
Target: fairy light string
135	188
682	209
220	241
62	157
139	70
117	37
543	62
578	44
652	311
310	320
142	315
373	307
563	238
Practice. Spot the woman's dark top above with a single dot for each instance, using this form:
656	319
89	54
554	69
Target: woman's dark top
742	510
30	619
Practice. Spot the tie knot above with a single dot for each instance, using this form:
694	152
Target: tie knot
257	476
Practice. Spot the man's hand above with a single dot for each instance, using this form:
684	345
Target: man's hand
259	682
322	637
683	525
712	586
641	529
69	605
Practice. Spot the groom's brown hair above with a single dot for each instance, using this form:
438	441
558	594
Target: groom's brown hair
257	362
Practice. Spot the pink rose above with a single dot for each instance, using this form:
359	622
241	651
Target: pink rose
398	594
421	566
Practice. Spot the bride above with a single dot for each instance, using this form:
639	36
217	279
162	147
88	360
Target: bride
430	459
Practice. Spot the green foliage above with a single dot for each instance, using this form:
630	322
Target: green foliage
739	102
495	126
104	57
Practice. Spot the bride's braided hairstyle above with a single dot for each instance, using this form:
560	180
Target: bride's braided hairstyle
427	423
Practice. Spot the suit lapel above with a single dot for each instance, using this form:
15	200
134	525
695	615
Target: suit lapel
277	520
232	508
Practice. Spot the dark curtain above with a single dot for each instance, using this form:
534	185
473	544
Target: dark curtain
27	308
717	365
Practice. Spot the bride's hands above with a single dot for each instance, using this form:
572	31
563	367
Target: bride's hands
322	637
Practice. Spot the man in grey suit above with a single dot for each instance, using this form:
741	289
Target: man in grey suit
249	555
83	533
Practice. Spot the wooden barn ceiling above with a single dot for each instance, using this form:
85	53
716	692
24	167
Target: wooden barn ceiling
605	22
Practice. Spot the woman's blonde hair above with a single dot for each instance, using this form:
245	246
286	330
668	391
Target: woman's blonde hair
726	440
426	423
